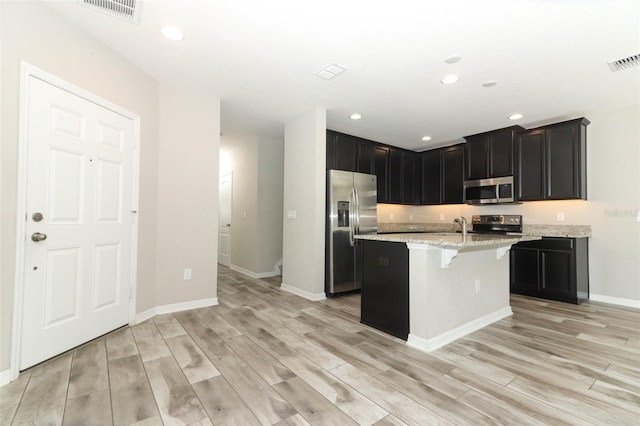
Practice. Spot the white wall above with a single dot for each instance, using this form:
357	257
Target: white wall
613	187
256	217
270	199
187	210
304	193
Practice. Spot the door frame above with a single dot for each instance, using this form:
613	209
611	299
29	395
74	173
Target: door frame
28	71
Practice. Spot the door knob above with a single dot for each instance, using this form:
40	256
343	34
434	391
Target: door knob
37	236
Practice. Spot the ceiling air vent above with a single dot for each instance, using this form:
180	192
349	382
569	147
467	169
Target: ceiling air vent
127	10
625	63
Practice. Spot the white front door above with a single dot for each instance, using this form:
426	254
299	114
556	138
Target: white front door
224	221
79	202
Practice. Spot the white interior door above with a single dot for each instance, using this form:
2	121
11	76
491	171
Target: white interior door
224	220
78	242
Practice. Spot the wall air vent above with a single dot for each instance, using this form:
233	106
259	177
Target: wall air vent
625	63
127	10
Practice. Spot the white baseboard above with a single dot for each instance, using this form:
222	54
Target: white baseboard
630	303
252	274
428	345
175	307
7	376
314	297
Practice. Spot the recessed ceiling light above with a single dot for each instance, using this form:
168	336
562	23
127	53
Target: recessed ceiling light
355	116
489	83
450	79
515	117
426	138
172	33
453	59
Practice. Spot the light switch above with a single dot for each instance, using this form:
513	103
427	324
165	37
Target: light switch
560	217
291	214
441	216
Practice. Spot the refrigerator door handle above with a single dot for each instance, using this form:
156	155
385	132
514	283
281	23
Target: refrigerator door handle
357	211
352	214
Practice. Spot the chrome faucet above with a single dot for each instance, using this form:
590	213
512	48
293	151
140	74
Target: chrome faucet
463	225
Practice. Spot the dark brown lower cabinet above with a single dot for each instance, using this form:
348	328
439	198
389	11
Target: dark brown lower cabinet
385	287
551	268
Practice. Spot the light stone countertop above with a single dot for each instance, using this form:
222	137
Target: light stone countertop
568	231
449	240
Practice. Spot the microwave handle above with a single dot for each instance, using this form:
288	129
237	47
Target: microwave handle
498	192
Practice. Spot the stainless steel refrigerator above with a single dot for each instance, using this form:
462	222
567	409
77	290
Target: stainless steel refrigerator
351	210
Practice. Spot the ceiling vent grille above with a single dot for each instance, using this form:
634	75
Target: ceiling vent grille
625	63
127	10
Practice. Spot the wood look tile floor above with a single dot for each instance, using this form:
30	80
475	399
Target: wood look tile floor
263	356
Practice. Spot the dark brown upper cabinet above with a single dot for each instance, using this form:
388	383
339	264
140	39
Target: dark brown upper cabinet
552	161
453	174
381	162
442	174
394	168
395	176
490	154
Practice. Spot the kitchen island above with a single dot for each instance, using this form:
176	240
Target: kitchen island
456	285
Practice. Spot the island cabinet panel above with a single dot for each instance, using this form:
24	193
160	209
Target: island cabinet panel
551	161
490	154
385	287
551	268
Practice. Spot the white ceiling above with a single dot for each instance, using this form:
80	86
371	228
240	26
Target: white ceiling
549	58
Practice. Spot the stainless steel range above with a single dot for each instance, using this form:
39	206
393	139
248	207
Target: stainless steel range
496	223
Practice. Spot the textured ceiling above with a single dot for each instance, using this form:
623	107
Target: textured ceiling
549	58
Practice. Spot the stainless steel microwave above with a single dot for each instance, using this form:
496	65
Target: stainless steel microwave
490	191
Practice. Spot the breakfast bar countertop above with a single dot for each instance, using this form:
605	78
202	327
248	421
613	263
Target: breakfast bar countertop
537	230
451	240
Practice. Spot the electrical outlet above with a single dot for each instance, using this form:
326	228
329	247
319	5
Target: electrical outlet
411	217
187	274
560	217
391	216
477	286
441	216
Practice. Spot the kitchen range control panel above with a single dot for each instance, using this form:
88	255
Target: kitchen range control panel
500	223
